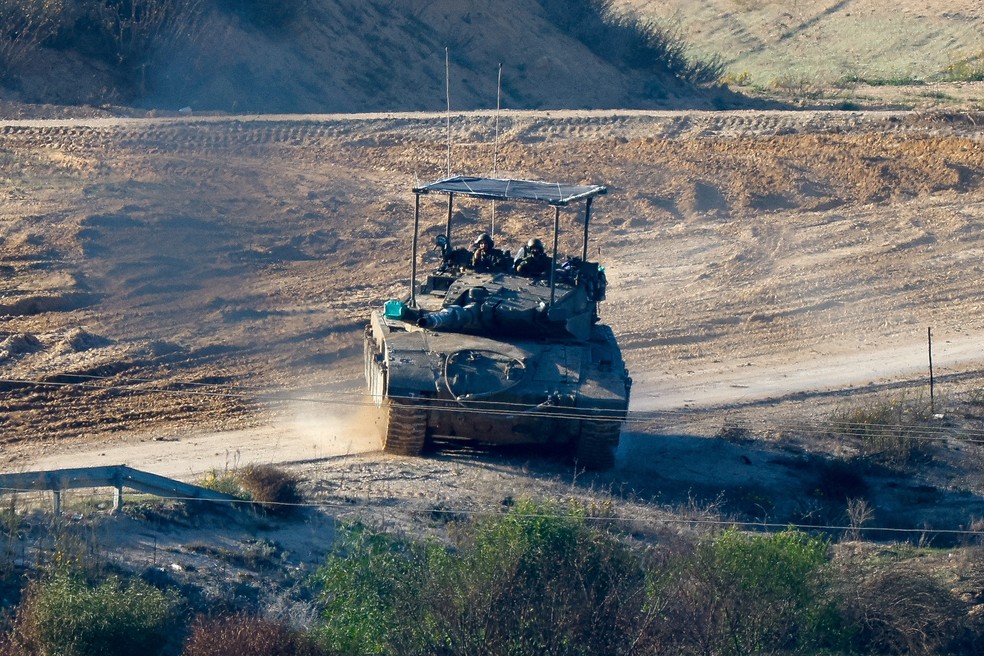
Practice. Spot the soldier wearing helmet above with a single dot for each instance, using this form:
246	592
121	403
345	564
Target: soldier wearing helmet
486	257
534	261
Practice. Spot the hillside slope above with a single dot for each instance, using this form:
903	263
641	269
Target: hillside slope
774	41
346	55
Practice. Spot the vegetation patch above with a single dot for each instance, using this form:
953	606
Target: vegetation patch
895	430
270	488
968	69
625	41
62	613
246	635
546	578
24	26
225	482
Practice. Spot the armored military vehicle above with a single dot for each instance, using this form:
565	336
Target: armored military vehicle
490	354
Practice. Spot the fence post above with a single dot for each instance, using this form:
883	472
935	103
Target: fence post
118	491
932	396
56	499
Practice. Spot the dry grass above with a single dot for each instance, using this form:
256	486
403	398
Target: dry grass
246	635
896	431
271	488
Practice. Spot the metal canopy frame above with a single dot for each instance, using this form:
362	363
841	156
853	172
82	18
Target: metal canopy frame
553	194
550	193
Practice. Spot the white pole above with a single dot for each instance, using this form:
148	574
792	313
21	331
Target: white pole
447	90
498	107
495	146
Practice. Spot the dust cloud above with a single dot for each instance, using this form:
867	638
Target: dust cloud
344	428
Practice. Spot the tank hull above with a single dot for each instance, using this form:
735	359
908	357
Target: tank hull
502	390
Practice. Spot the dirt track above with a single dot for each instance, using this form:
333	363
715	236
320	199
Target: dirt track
208	273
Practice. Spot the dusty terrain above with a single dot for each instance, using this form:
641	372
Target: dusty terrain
189	294
821	43
346	56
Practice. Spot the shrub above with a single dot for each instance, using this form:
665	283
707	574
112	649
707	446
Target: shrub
246	635
799	87
742	594
63	614
138	28
368	587
741	79
271	488
893	430
899	610
24	26
226	482
536	580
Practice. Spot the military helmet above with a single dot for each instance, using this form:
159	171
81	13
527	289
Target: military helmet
534	246
484	238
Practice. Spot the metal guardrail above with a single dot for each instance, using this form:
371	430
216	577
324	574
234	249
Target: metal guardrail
117	477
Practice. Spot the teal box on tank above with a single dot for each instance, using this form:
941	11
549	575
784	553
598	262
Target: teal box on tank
393	309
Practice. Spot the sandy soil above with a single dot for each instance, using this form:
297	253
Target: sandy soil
821	43
188	294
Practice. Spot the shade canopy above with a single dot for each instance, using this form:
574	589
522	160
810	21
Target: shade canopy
550	193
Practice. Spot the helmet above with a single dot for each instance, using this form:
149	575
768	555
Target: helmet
484	238
534	246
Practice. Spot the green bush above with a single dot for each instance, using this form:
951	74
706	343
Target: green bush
544	579
63	615
225	482
368	588
969	69
541	580
537	580
743	594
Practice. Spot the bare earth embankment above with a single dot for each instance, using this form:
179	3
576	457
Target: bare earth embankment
875	52
182	295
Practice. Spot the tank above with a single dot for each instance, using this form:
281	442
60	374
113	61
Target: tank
495	356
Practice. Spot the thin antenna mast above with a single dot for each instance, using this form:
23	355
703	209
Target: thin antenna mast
447	90
498	106
495	143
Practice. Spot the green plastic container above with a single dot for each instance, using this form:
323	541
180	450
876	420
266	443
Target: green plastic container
394	309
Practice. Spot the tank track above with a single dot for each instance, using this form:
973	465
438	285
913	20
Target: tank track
406	429
595	447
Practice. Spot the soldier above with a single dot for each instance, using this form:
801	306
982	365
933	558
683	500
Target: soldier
486	256
534	262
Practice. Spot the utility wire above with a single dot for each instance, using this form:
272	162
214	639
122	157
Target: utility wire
485	513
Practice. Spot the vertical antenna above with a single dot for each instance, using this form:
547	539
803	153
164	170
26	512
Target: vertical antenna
495	143
498	106
447	90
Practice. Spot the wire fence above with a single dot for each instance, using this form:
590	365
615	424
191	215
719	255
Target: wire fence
931	431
